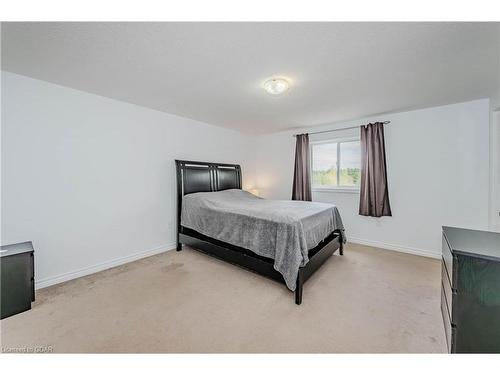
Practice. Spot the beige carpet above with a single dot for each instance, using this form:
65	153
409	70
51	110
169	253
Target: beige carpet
369	300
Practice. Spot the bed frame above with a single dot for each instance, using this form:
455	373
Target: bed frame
195	176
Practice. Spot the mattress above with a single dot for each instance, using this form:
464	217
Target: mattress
282	230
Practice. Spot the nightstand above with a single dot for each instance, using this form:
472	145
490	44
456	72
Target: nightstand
17	278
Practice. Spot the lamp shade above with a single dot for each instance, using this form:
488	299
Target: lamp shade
254	191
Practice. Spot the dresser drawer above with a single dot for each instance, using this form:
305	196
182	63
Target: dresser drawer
449	328
448	260
447	290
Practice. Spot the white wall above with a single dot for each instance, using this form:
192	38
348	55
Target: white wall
495	150
495	166
438	174
91	180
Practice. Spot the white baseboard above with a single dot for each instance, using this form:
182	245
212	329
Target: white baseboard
398	248
48	281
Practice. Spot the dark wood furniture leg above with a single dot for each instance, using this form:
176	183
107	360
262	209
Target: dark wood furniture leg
178	167
298	288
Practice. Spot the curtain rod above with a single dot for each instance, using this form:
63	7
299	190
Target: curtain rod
334	130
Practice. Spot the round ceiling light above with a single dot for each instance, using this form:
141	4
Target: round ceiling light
276	86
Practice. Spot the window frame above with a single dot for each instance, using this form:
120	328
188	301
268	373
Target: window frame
338	188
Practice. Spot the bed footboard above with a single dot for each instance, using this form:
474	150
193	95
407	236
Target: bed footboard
258	264
316	260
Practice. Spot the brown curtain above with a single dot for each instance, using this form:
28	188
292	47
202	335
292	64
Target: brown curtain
301	190
374	194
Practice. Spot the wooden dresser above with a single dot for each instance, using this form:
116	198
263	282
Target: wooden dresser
470	290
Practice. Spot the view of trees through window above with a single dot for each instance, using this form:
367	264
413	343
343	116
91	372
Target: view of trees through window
327	158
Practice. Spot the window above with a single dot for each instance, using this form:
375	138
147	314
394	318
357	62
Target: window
336	164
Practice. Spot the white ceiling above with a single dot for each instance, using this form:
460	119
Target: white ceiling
213	72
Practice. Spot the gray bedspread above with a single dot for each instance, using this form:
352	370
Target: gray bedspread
281	230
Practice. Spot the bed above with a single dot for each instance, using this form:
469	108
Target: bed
286	241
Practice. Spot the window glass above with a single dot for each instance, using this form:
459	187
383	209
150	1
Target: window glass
327	158
324	165
350	163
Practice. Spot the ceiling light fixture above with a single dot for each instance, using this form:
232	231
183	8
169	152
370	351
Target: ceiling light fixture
276	86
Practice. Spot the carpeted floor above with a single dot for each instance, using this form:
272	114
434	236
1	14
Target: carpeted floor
369	300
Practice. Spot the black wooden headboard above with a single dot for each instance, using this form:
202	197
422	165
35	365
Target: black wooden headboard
197	176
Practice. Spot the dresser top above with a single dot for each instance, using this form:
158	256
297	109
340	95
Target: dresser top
17	248
477	243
